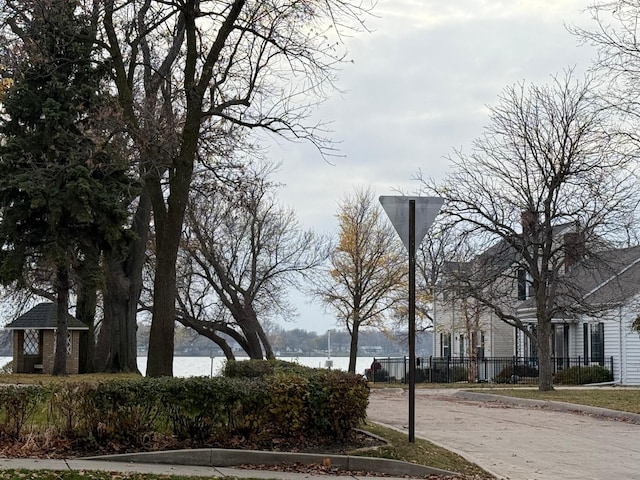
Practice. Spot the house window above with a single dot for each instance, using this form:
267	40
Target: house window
69	343
480	346
461	347
31	344
597	343
522	284
445	345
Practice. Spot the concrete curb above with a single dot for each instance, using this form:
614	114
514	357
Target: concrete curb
219	457
551	405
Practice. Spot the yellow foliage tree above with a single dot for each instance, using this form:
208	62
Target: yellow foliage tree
367	276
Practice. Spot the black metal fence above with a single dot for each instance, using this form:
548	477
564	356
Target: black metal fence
510	370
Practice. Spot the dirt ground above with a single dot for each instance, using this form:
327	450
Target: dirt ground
516	442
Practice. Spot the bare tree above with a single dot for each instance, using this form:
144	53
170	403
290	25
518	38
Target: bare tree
185	71
241	254
368	269
546	163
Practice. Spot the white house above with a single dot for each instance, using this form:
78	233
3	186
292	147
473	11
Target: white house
602	335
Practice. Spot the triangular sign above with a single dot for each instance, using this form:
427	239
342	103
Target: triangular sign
397	209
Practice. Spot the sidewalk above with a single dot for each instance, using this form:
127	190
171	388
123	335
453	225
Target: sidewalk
215	463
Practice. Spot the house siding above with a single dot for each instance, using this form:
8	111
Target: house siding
622	344
630	343
631	366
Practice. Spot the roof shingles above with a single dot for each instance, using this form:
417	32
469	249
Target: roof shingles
43	317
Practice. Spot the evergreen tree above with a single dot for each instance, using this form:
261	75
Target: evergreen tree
61	182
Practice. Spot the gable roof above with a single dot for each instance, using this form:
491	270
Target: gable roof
618	280
608	279
43	317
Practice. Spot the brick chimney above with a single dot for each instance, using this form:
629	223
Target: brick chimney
529	221
574	249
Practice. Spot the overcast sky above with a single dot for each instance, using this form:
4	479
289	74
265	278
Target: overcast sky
419	87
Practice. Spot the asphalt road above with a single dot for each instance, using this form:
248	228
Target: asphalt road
516	442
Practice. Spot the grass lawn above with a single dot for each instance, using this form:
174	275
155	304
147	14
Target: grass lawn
623	399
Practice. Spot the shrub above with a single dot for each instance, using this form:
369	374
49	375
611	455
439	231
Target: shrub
513	373
293	402
248	368
288	404
580	375
443	374
17	405
377	375
262	368
346	399
123	411
7	368
308	401
199	407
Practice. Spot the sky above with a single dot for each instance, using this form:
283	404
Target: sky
418	88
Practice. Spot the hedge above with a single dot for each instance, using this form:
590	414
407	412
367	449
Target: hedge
582	375
273	401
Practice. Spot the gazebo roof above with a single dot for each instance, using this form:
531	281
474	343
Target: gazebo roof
43	317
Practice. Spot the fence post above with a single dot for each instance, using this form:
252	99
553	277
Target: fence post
579	371
405	370
431	369
611	368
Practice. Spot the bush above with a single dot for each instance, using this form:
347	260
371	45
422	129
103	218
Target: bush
202	408
377	375
123	411
308	401
262	368
7	368
17	405
513	373
580	375
442	374
346	397
288	396
292	403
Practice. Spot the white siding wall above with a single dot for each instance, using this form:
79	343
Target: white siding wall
503	344
623	344
630	347
614	344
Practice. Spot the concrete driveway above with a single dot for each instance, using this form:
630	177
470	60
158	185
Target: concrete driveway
516	442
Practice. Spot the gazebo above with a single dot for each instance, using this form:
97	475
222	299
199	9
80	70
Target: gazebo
34	340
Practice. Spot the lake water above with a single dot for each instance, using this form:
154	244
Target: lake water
206	366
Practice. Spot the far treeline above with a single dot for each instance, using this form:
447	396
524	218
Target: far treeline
287	343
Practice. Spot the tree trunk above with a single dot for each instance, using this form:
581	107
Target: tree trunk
116	349
62	293
253	333
353	349
263	347
89	273
545	381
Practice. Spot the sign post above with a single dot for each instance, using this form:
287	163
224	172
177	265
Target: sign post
411	217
